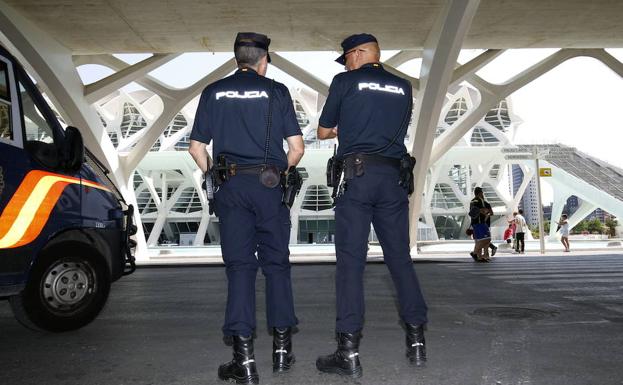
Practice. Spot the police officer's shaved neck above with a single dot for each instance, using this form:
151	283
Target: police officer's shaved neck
261	67
362	54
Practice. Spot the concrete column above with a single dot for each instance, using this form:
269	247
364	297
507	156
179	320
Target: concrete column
439	58
195	175
161	204
294	213
203	228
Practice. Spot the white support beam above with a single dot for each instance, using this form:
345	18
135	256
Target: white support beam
582	212
474	65
170	110
609	60
415	82
440	55
581	188
527	76
299	74
115	64
493	95
295	211
202	229
103	87
403	56
528	174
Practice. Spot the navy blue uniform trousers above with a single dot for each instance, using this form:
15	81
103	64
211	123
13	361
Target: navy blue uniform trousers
377	198
253	220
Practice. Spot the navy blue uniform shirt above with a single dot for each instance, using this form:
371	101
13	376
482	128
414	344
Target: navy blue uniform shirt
369	106
233	112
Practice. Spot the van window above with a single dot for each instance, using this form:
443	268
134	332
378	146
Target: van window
5	104
36	126
39	139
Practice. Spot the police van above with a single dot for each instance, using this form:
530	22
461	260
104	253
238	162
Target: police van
64	228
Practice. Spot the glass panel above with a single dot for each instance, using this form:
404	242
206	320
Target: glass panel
5	121
456	111
5	107
317	198
37	128
132	121
449	227
498	117
444	197
4	82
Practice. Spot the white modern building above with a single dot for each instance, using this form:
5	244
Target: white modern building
462	131
173	209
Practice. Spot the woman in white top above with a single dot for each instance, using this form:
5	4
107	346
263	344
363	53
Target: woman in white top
564	232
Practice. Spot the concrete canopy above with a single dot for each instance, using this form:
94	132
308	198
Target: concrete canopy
158	26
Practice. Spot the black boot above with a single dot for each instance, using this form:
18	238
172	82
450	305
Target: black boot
283	358
242	368
416	344
345	360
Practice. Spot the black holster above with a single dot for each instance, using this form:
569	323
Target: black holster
291	182
335	168
407	164
354	166
219	170
334	171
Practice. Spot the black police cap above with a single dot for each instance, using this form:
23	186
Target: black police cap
353	41
252	39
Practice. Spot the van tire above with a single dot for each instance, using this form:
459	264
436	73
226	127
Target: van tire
67	288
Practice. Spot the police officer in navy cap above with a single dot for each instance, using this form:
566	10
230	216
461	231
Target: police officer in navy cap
368	109
247	116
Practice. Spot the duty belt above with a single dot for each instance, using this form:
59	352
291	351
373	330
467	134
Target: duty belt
373	159
246	170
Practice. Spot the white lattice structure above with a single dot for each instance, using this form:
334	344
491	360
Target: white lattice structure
444	133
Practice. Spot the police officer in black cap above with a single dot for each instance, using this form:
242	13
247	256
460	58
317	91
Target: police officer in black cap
369	110
247	117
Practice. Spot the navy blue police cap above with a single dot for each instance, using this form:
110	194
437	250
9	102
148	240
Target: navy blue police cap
353	41
252	39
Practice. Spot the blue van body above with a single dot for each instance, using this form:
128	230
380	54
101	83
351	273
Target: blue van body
53	192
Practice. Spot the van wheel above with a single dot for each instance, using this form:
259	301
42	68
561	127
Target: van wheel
67	288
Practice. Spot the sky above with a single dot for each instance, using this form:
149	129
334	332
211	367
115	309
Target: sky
577	103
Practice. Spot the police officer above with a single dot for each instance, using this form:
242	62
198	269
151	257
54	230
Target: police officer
369	110
247	116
